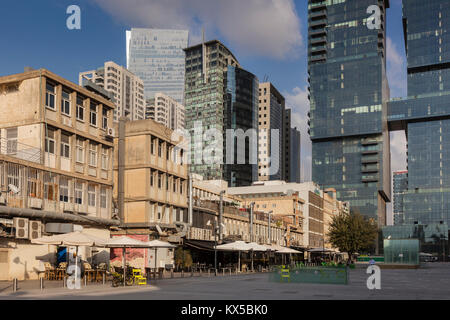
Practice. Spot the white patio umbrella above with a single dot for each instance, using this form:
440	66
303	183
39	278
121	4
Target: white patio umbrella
155	244
75	239
235	246
289	251
256	247
125	242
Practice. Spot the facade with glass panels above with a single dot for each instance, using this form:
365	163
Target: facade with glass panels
219	95
348	103
425	113
157	57
400	186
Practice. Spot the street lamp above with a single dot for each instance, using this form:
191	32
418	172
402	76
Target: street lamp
215	243
270	239
216	229
252	205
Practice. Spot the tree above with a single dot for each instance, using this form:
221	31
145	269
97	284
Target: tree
183	258
352	233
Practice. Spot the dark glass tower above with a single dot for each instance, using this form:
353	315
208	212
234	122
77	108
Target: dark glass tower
425	113
222	95
348	110
400	186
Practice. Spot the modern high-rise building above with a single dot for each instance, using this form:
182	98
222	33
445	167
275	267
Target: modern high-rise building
165	110
220	95
425	113
126	88
348	94
157	57
294	156
400	186
271	143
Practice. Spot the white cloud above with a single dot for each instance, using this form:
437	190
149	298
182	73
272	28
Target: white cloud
298	101
269	28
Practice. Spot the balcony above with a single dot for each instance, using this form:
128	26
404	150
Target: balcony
366	152
318	58
318	23
368	142
318	40
366	160
317	32
369	179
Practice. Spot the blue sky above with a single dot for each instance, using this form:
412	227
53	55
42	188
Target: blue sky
269	38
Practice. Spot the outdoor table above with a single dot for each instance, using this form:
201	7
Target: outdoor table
60	273
99	274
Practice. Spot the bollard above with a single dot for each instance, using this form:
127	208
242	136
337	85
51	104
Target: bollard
192	273
209	272
200	272
41	283
230	272
182	273
85	281
171	273
223	272
104	279
15	284
64	281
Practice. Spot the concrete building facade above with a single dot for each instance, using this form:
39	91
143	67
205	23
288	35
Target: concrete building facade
271	145
55	168
127	89
165	110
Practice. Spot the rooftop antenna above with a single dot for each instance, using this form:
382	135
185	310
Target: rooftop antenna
266	78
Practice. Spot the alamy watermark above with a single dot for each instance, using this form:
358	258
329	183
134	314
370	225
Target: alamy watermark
207	146
374	21
73	22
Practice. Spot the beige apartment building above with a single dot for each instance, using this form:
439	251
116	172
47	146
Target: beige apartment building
236	217
303	203
154	180
165	110
126	88
55	167
270	117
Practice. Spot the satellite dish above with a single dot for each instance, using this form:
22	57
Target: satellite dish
14	189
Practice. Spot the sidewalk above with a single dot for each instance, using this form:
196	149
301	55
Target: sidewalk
54	288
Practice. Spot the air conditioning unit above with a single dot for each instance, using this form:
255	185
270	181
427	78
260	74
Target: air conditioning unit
110	132
2	200
35	229
67	122
21	227
35	203
68	207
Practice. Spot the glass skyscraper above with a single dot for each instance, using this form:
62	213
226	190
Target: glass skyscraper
425	113
400	186
221	95
348	103
157	57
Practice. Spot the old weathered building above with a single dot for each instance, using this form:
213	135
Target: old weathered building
55	167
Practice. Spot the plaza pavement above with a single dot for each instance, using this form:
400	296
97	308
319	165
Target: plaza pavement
431	281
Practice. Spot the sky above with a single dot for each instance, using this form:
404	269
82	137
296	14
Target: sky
268	37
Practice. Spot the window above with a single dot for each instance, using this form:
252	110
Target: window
63	189
65	146
79	193
159	180
50	96
104	118
152	146
91	196
151	178
34	183
103	198
50	188
80	108
93	155
181	187
105	159
159	149
167	183
11	140
93	114
65	103
50	141
80	150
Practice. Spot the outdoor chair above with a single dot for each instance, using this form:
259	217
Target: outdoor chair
100	271
49	271
61	271
138	278
88	271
